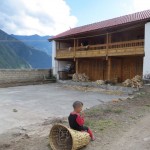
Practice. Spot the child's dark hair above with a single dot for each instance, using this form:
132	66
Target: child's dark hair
77	104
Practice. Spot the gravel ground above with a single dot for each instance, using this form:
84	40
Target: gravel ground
118	124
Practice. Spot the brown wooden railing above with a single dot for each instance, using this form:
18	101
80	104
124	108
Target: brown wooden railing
65	53
112	49
135	43
92	47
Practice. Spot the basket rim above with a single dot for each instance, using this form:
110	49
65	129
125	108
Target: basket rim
58	124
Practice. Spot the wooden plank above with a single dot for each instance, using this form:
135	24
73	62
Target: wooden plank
116	70
121	68
92	67
131	67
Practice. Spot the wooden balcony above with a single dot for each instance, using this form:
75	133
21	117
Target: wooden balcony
135	47
64	53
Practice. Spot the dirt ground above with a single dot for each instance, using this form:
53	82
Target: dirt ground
118	125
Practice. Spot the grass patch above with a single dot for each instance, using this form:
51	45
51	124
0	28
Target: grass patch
108	110
132	117
147	105
118	111
100	111
113	110
94	112
142	95
100	124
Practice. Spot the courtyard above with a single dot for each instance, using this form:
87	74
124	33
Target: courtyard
25	105
27	113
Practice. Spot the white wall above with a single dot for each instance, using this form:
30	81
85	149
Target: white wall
54	62
146	68
62	64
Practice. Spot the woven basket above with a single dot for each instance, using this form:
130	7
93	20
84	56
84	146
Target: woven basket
64	138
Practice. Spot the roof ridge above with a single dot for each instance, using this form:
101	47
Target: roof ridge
111	18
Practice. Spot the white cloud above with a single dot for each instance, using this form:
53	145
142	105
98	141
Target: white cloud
44	17
132	6
139	5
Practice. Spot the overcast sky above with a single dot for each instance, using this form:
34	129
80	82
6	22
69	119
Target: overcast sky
50	17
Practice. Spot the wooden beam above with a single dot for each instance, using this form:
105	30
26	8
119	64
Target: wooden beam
77	63
109	69
59	45
109	39
107	45
77	43
74	49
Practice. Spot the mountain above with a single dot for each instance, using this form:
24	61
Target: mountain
19	52
37	42
8	58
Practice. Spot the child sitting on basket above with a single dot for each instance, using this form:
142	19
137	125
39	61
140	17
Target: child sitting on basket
76	119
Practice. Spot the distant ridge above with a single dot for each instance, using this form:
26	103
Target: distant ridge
36	41
15	54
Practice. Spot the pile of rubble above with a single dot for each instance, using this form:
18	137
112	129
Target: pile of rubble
81	77
135	82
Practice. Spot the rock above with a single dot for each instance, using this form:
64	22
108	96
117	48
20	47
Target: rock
115	100
26	136
146	139
15	110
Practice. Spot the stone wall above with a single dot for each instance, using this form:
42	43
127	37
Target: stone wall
18	76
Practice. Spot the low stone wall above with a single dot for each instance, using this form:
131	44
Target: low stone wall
28	75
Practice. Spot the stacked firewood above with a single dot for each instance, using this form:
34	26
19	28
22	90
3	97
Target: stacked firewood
100	82
127	83
135	82
81	77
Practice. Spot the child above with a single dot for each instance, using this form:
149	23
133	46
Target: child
76	119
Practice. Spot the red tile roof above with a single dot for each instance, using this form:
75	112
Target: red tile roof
139	16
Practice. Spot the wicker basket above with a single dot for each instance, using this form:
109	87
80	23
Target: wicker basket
64	138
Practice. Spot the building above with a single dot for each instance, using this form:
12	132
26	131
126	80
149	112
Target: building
118	48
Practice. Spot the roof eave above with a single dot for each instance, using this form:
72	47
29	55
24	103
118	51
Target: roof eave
106	28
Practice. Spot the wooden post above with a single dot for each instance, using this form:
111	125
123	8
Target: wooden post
109	38
107	42
109	59
77	63
74	49
77	42
109	69
59	45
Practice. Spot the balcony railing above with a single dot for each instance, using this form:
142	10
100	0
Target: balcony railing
135	47
135	43
65	53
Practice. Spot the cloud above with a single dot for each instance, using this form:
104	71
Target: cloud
139	5
43	17
132	6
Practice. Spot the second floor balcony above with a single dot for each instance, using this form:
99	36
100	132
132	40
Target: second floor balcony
126	48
